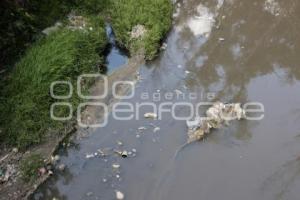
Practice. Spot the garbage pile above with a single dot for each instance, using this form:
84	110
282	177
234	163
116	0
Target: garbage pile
217	115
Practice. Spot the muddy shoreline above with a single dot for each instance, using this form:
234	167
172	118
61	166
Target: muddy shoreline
15	187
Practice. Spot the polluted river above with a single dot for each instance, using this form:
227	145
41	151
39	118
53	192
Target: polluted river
217	50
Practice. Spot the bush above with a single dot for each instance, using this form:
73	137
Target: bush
155	15
25	100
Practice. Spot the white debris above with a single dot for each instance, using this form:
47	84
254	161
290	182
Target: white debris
124	154
89	156
49	30
164	46
221	39
202	23
119	195
150	115
156	129
217	115
55	159
193	124
15	150
142	128
138	31
116	166
272	6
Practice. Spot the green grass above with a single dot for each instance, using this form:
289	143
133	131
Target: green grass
155	15
29	167
25	101
64	55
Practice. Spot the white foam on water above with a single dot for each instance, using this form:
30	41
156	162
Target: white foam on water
272	6
202	23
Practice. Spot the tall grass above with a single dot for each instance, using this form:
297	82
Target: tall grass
25	101
155	15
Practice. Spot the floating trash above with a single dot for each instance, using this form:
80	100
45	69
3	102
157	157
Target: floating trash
216	116
150	115
119	195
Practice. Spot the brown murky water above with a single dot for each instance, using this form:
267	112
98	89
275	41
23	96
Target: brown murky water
240	50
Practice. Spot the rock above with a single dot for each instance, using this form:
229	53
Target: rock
119	143
134	150
150	115
119	195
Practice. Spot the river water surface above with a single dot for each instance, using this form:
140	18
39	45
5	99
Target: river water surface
241	51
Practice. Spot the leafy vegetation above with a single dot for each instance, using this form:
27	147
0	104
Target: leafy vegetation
155	15
25	102
63	55
29	167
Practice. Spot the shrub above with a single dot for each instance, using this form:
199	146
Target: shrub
155	15
25	101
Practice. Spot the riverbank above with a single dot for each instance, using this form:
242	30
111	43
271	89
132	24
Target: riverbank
70	49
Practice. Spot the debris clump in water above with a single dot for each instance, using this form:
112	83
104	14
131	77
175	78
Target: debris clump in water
216	116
